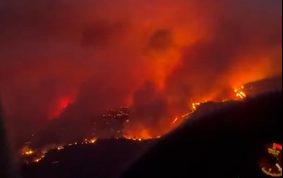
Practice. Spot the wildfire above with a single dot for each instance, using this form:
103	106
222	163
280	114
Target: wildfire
143	135
175	120
60	148
194	106
60	107
140	139
181	118
239	92
38	159
27	151
38	156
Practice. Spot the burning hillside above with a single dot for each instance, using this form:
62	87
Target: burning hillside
30	155
35	153
64	63
263	86
115	122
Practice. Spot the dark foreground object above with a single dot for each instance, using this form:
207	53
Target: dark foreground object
104	159
224	144
7	169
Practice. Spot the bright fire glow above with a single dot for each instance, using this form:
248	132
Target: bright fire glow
175	120
27	151
65	103
143	133
239	92
180	46
39	155
60	107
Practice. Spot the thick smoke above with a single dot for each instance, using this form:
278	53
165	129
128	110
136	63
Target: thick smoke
156	56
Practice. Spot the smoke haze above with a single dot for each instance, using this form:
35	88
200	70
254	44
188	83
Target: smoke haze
155	56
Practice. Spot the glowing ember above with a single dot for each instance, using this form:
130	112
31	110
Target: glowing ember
60	147
92	141
36	160
27	151
239	92
195	105
175	120
38	156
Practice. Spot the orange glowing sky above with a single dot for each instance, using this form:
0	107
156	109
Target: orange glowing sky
160	55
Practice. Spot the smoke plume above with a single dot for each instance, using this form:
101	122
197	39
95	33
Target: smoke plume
71	60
